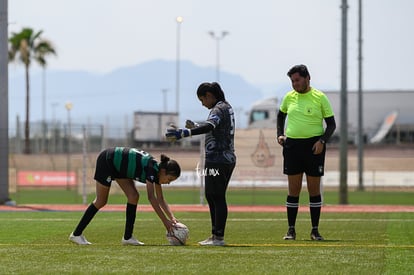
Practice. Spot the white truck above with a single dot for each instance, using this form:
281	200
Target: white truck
263	113
149	127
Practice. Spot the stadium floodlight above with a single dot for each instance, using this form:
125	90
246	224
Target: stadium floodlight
218	38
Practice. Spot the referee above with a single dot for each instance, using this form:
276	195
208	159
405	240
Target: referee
304	144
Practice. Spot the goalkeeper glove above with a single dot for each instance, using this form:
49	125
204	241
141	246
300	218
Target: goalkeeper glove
174	133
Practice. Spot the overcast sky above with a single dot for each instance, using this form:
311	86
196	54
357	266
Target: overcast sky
266	37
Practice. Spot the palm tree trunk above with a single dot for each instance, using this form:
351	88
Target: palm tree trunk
27	124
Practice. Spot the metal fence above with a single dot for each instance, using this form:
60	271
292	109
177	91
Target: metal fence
60	138
57	137
68	161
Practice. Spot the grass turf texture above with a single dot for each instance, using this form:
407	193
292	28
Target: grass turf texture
255	196
356	243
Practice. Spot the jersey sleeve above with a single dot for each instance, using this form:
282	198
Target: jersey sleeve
214	117
327	110
284	104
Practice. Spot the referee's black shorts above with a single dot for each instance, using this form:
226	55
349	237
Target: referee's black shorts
299	158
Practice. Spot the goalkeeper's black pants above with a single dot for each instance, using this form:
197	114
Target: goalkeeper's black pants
217	177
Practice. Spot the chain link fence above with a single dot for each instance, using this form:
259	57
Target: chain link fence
61	138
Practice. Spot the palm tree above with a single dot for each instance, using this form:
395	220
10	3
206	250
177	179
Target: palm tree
25	46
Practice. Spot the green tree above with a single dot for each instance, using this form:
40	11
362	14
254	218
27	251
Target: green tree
24	47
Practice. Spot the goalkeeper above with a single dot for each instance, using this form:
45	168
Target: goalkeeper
220	158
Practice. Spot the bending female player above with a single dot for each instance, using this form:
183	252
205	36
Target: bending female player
126	165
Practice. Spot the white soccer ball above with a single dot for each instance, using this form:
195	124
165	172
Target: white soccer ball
179	234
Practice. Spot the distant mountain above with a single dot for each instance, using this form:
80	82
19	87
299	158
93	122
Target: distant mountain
114	97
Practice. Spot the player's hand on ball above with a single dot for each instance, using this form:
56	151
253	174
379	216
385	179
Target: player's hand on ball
173	133
179	234
169	225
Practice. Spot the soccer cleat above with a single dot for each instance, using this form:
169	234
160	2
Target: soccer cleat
316	236
131	241
212	241
217	242
208	240
81	240
290	235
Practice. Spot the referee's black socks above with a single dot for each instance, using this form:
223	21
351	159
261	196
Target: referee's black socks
315	204
292	206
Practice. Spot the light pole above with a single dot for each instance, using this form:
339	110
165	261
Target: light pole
44	128
54	105
360	104
164	94
179	20
4	106
68	107
54	126
218	38
343	163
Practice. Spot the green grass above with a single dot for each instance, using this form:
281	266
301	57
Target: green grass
251	196
356	243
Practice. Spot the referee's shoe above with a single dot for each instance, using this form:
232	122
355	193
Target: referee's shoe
290	235
315	235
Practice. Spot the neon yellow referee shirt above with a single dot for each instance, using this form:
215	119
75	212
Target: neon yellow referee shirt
305	113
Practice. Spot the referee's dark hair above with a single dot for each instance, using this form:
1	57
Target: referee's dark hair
301	69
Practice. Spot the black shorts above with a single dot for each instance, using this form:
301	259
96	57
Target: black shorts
105	171
217	177
299	158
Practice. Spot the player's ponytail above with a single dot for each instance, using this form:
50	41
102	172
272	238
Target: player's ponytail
171	166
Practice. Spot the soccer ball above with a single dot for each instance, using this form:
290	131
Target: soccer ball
179	234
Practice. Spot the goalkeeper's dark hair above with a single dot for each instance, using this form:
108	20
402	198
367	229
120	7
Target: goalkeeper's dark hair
171	167
213	88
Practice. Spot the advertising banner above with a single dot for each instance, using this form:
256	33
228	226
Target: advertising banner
46	178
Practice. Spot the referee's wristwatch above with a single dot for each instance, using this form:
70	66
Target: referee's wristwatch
322	141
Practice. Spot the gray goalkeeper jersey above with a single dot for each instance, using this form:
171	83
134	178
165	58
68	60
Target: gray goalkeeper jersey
219	143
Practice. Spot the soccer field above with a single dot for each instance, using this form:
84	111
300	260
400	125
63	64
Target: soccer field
356	243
